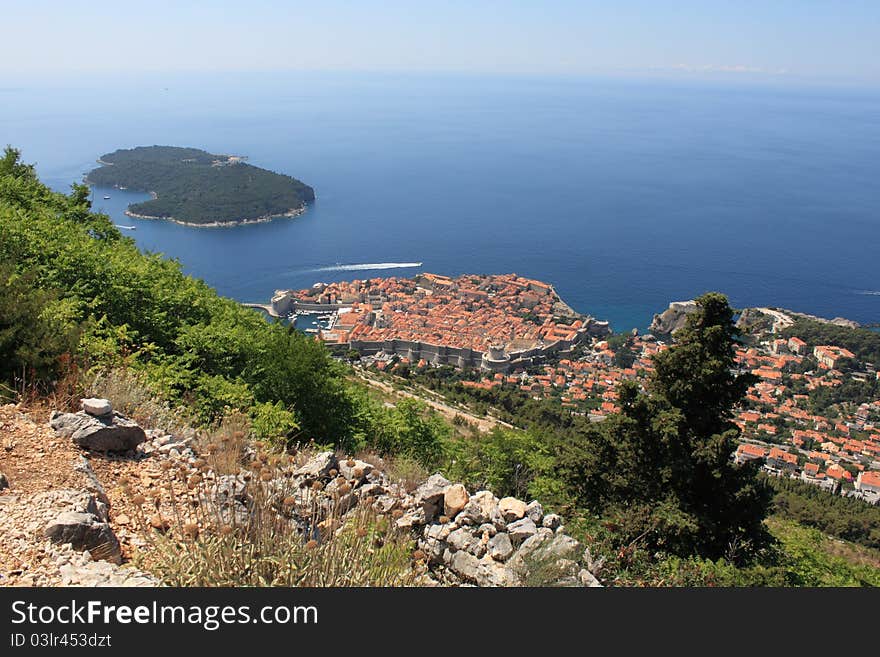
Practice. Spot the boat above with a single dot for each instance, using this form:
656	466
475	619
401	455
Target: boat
106	198
126	227
311	330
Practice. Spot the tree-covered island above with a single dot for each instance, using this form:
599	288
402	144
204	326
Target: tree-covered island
197	188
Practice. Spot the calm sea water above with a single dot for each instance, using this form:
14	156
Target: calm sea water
625	195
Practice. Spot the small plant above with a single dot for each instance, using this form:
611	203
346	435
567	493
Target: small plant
406	471
226	445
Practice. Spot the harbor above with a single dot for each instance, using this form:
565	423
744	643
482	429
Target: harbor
309	321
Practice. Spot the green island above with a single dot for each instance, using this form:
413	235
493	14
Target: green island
197	188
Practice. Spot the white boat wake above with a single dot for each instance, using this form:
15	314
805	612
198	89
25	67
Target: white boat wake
873	293
369	266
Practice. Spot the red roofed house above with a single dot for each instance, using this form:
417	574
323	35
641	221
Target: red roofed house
749	452
837	472
781	460
797	346
868	481
829	355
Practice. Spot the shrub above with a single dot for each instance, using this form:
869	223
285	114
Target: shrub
35	331
274	423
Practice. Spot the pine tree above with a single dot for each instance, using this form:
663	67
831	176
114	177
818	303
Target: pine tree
662	467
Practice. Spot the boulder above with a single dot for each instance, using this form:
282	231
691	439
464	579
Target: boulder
520	530
366	490
4	482
487	528
358	470
511	508
84	531
108	433
317	467
541	552
586	578
439	532
433	548
485	572
430	496
92	485
412	518
561	546
500	548
229	499
96	407
432	491
551	521
454	500
482	507
385	504
461	539
535	511
526	550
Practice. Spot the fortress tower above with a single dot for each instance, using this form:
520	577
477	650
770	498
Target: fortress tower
496	359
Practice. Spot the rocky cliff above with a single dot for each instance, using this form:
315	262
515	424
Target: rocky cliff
673	318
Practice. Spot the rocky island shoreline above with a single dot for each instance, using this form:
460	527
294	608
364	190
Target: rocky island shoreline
293	212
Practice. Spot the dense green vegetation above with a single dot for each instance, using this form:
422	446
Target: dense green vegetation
32	333
811	558
863	343
850	391
197	187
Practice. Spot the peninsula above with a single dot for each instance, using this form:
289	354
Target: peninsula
197	188
497	323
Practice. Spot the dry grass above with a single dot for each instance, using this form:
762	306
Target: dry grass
226	446
288	537
855	554
70	387
402	470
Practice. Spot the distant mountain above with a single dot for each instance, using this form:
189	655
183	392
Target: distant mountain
194	187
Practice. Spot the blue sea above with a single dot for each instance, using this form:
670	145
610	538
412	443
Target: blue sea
624	194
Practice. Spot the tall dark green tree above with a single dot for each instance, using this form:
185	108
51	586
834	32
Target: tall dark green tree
661	468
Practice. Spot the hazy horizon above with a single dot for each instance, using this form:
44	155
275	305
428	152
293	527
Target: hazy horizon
815	41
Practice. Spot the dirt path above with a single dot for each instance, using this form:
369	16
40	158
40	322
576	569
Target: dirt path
484	424
43	482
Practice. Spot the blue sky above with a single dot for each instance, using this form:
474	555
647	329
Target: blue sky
780	39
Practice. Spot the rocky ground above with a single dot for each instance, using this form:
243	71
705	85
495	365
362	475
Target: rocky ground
48	476
79	492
